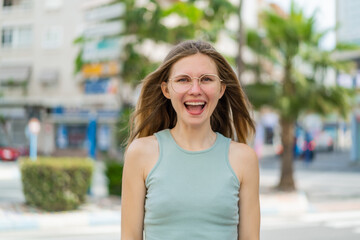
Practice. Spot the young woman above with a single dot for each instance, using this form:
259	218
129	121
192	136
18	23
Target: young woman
188	173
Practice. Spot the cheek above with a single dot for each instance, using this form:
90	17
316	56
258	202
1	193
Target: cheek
176	100
214	95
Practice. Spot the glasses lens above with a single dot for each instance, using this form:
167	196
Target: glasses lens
183	83
209	82
208	79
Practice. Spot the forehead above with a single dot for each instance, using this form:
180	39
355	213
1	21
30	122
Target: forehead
194	65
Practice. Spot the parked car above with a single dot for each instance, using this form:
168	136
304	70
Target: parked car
8	153
324	142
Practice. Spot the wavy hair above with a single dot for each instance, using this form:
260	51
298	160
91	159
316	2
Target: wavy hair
154	112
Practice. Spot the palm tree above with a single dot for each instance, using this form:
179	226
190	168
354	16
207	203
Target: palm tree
290	42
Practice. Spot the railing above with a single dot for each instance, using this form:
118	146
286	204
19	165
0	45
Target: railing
19	5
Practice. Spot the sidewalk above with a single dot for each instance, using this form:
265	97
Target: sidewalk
18	216
329	183
99	209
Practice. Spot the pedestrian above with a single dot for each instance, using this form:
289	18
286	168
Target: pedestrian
308	149
188	172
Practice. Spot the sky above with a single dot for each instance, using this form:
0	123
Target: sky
326	15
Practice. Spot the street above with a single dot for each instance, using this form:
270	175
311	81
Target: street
329	206
331	185
312	226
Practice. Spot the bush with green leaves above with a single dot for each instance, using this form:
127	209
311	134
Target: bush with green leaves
56	184
114	170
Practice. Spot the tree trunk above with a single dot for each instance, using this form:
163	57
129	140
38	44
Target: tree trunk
241	41
287	138
287	134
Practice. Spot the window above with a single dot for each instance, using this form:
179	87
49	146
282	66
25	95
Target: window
7	36
8	3
53	37
16	37
18	4
23	37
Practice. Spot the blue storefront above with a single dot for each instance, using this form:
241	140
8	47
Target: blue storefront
88	130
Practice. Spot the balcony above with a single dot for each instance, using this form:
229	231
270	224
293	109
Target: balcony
14	6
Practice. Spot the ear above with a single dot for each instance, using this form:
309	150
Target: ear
222	91
165	89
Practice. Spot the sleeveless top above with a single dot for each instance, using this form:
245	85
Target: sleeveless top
191	195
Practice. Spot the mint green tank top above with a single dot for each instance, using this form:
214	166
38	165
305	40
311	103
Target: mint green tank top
191	195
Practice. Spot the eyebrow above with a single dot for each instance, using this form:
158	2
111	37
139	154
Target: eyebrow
182	74
185	74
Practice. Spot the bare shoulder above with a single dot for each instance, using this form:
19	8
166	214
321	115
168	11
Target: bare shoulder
140	147
142	154
243	159
242	151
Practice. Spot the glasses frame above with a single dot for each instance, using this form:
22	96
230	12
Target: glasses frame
192	83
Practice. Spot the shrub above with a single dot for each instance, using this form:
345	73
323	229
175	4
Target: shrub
56	184
114	172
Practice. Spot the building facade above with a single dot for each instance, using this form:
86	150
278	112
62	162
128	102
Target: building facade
38	61
348	12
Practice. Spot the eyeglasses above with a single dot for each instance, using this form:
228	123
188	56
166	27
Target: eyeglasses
182	83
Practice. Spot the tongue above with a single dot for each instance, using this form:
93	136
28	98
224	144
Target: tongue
194	109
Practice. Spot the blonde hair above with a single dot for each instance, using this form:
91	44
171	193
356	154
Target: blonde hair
154	112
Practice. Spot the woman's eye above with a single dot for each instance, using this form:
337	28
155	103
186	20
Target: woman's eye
183	79
206	79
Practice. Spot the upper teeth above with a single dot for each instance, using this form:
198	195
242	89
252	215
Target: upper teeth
195	103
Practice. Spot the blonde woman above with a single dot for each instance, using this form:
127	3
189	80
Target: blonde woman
188	173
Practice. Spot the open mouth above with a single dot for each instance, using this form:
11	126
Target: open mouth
195	108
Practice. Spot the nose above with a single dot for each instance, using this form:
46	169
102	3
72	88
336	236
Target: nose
195	86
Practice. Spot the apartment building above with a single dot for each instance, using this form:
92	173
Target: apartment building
348	12
37	74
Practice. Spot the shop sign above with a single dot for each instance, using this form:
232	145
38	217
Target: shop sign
81	113
105	49
101	86
100	69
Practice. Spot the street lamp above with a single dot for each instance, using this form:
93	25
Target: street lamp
34	129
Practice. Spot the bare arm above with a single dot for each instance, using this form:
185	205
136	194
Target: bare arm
249	228
245	163
133	194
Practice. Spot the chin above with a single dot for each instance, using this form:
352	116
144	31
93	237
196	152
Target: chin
197	121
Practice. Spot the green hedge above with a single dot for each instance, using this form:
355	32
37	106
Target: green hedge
56	184
114	172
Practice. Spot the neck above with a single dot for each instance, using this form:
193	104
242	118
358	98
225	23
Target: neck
193	139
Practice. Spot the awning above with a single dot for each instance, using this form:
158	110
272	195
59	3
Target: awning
49	76
14	74
13	112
